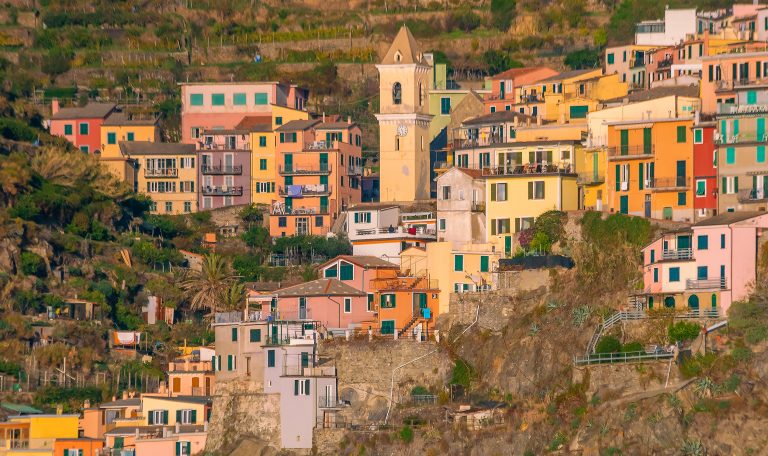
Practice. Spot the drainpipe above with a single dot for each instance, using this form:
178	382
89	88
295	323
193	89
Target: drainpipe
337	305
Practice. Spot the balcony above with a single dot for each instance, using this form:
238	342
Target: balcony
321	145
712	283
727	86
238	317
478	207
745	137
404	283
321	169
213	170
354	170
222	191
531	169
281	210
590	179
631	152
242	147
498	96
330	402
469	143
660	184
678	254
665	63
533	98
298	191
394	233
416	216
752	195
161	172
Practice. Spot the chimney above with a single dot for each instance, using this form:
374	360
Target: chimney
114	398
54	106
87	404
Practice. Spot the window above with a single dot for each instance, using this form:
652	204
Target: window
362	217
730	156
499	226
168	207
698	136
499	192
702	242
331	272
73	451
196	99
493	109
722	241
445	192
255	335
610	59
578	111
158	417
68	129
183	448
445	105
681	199
458	263
702	272
130	136
83	128
187	206
270	358
370	302
217	99
186	416
318	221
263	164
674	274
347	305
388	301
655	275
301	387
238	99
523	223
536	190
346	271
681	134
85	149
262	141
730	185
441	224
483	263
261	98
653	256
397	93
701	188
111	138
234	334
278	120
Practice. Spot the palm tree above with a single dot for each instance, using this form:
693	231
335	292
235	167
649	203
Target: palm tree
234	296
206	288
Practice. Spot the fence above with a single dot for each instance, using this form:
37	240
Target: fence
615	358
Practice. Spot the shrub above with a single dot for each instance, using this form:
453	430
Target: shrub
541	243
258	238
462	373
632	347
497	61
503	13
741	354
419	391
465	20
608	344
582	59
406	434
16	130
24	208
32	264
683	331
58	61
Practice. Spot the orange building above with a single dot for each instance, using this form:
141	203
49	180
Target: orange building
406	305
723	75
191	377
320	166
77	447
650	164
506	87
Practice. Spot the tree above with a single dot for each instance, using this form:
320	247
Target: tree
497	61
583	59
258	238
57	62
234	296
205	289
503	13
683	331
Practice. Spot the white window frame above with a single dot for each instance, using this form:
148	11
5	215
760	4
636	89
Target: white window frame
441	224
186	416
535	193
347	302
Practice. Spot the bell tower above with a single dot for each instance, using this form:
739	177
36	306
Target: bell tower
404	121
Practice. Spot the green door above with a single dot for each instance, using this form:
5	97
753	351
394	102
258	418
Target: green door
646	141
624	204
289	163
681	173
650	302
274	334
388	326
693	302
507	245
323	204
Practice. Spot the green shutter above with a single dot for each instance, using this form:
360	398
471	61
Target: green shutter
66	452
618	177
736	184
260	98
724	186
178	416
238	99
295	387
458	262
229	362
151	417
346	271
119	442
647	141
196	99
640	174
217	99
178	448
194	416
530	190
493	192
760	154
681	134
624	136
165	416
760	128
255	335
483	263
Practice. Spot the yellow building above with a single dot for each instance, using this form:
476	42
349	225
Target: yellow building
404	121
120	127
469	268
167	173
264	172
171	410
591	178
35	434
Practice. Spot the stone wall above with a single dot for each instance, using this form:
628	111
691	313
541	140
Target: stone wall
241	411
365	372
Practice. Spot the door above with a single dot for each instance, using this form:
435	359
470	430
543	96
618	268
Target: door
302	308
323	162
647	141
683	242
228	162
388	326
207	386
647	206
681	173
624	204
693	302
507	245
669	302
274	334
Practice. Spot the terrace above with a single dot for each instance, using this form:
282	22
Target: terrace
626	152
541	169
213	170
669	183
222	191
322	169
752	195
711	283
298	191
161	172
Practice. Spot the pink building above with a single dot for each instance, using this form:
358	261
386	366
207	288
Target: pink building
723	75
182	441
224	174
358	271
82	125
331	302
505	86
707	267
211	106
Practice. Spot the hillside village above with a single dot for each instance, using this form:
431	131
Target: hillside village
535	260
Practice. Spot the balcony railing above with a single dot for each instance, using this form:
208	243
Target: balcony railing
222	191
679	254
590	179
469	143
319	170
727	85
404	283
330	402
669	183
222	169
752	195
498	96
529	169
238	317
742	137
665	63
161	172
321	145
245	147
706	284
630	152
322	210
396	232
531	98
298	191
417	216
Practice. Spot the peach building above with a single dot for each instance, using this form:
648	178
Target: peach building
723	75
191	376
81	125
506	86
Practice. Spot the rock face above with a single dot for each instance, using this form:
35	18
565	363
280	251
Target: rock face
242	412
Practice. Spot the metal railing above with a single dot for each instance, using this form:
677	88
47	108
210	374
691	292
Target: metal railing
321	169
752	195
321	145
222	191
626	152
459	144
678	254
531	168
669	183
161	172
221	169
416	216
590	178
423	398
609	322
742	137
396	231
244	147
306	190
614	358
699	313
322	210
477	207
736	83
706	284
330	402
354	170
531	98
238	317
309	371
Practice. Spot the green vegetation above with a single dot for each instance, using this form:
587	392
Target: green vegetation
683	331
406	434
749	319
462	374
503	13
583	59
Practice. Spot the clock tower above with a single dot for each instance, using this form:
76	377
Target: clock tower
404	121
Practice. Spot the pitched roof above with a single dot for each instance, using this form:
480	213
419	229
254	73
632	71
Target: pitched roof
512	72
155	148
89	111
659	92
406	46
184	399
298	125
335	126
364	261
122	118
727	218
498	116
320	287
255	123
567	75
132	402
21	409
144	430
471	172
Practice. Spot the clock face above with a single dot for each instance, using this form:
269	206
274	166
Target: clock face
402	130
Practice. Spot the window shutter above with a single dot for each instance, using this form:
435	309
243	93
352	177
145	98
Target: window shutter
736	184
531	157
306	387
549	157
618	177
493	227
530	190
724	188
151	417
394	300
295	387
194	416
178	448
66	452
493	192
189	447
178	416
640	173
165	416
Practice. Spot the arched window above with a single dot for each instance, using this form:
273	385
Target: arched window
693	302
669	302
397	93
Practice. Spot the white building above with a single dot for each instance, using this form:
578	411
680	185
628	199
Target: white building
677	23
385	230
461	207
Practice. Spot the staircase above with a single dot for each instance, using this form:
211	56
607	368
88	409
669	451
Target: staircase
338	224
408	326
635	302
608	323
